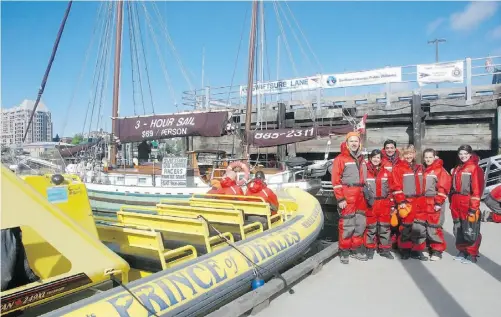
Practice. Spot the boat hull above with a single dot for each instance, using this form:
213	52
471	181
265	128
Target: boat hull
208	282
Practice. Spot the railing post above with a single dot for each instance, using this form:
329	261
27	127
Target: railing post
388	94
468	79
207	98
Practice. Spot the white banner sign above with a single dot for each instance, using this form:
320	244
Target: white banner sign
370	77
440	73
280	86
174	171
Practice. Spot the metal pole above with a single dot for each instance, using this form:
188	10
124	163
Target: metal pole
436	42
203	64
116	81
250	77
47	71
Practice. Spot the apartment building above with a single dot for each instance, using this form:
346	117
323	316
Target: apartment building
15	120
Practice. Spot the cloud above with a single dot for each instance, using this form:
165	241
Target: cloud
496	32
433	25
473	15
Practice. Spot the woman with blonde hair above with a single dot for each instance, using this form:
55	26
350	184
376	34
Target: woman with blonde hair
408	192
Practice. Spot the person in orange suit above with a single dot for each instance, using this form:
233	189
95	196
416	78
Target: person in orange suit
229	185
380	206
215	187
493	202
390	157
408	193
258	188
348	180
437	185
467	189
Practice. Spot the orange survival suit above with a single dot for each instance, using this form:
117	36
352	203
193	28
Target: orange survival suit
437	185
348	181
228	187
379	214
493	202
258	188
467	189
388	163
408	188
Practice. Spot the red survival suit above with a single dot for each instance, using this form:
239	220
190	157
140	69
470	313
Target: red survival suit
493	202
379	214
347	181
467	189
258	188
388	163
437	185
408	188
229	187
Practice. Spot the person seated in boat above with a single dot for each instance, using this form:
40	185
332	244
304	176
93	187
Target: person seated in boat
16	270
215	187
143	151
258	188
229	185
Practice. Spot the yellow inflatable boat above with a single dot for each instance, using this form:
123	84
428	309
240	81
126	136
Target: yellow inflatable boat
179	258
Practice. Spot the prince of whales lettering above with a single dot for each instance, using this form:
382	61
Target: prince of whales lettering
178	288
208	124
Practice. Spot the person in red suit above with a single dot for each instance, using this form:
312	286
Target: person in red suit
408	192
493	202
380	206
229	185
437	185
258	188
348	181
390	157
467	189
215	187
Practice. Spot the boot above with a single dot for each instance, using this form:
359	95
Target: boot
344	256
435	256
359	254
370	254
405	254
460	256
418	255
469	259
386	254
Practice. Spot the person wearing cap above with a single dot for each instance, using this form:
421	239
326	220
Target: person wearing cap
467	189
258	188
229	185
348	177
408	192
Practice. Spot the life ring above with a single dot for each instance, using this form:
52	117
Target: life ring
243	167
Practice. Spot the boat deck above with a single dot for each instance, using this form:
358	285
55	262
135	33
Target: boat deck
409	288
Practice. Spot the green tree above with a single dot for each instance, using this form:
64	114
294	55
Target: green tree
57	138
77	139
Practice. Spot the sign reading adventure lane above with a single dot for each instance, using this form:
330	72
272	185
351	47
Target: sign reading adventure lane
174	171
208	124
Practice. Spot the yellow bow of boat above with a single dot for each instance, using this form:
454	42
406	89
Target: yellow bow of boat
200	253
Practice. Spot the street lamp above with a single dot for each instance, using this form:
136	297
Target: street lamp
436	42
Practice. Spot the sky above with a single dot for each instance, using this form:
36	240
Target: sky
333	37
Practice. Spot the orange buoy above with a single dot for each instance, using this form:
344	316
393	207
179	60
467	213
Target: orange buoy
234	166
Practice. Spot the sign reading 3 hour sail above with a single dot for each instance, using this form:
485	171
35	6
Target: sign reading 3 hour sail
208	124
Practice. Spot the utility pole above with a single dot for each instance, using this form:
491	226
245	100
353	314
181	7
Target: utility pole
436	42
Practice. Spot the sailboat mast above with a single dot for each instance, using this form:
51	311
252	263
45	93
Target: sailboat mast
116	82
250	75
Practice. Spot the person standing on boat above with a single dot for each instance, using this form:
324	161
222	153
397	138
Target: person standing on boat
390	157
381	205
437	185
408	191
215	187
229	184
258	188
493	202
467	189
143	151
348	177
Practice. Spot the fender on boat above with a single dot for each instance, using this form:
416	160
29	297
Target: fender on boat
214	279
